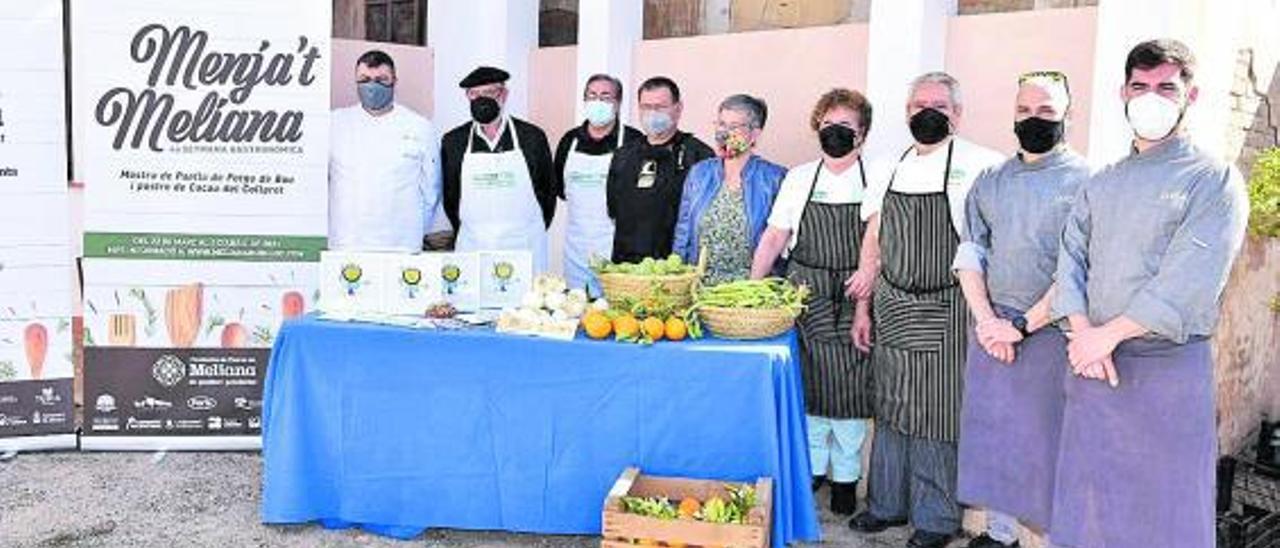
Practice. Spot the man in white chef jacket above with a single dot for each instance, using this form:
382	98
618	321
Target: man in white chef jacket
384	166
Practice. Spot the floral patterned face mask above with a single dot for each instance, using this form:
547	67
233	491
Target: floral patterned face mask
732	143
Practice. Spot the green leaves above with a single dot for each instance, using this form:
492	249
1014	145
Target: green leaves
1264	195
653	507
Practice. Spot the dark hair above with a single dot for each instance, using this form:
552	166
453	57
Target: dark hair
754	107
842	97
617	84
376	58
1153	53
661	82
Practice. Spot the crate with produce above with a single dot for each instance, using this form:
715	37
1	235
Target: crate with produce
750	309
689	513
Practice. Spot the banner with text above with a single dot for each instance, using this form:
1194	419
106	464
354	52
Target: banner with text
36	274
201	134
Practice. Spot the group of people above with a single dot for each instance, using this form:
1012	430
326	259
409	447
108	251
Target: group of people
1028	335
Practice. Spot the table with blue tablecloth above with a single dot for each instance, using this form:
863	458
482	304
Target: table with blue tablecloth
396	430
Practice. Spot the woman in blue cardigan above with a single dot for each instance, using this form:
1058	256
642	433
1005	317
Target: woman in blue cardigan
727	199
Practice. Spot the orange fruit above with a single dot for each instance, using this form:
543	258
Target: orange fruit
626	326
597	325
654	328
689	507
676	329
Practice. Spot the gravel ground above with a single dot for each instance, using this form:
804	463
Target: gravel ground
54	500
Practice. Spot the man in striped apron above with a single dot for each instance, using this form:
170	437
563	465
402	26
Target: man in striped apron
1013	379
1145	255
920	320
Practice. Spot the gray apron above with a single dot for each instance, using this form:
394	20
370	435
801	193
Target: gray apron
1136	467
837	377
918	360
1009	426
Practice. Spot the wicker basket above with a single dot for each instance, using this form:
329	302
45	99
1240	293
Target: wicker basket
746	323
618	286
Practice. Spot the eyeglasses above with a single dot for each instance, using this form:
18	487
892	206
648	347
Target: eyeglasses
1050	75
735	128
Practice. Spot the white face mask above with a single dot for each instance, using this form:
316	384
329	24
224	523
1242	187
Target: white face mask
1153	116
599	113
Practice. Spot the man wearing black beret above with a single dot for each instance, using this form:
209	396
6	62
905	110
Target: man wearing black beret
498	180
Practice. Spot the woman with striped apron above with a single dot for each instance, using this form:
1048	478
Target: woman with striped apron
817	220
837	377
918	361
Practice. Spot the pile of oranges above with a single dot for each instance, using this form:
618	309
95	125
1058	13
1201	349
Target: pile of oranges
626	327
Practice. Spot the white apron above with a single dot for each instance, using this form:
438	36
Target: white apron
590	230
497	207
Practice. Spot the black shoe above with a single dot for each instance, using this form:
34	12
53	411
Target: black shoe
926	539
985	541
818	482
844	498
868	523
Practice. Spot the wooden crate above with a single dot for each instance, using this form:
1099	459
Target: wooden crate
622	529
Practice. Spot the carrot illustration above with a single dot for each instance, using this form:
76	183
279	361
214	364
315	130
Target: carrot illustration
36	340
234	335
292	305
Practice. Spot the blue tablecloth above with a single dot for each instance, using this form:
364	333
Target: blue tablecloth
397	430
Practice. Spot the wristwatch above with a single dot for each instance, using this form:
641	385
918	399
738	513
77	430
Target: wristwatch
1020	323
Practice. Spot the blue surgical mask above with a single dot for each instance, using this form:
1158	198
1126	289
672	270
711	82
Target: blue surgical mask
657	122
599	113
375	95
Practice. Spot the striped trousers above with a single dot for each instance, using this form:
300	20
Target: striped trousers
914	478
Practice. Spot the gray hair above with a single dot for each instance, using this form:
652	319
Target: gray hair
599	77
938	77
755	109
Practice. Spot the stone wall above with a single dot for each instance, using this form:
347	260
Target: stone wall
1247	347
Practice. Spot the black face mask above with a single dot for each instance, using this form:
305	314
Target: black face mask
837	140
930	126
485	109
1037	135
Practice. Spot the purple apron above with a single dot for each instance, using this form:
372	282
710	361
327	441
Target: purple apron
1136	468
1009	427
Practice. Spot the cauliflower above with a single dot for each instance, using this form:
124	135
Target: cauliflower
554	301
575	308
532	299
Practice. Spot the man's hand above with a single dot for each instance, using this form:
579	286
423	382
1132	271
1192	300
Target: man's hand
1090	346
861	283
997	330
1102	370
861	331
1002	351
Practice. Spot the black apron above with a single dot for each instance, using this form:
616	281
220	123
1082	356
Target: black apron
920	315
837	377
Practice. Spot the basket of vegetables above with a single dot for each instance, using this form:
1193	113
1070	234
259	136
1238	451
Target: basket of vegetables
667	511
751	309
634	281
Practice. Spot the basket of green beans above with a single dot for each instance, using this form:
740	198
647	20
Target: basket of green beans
750	309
